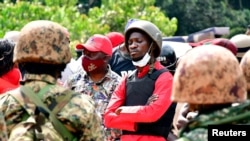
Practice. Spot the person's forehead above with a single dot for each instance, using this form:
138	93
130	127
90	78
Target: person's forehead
136	34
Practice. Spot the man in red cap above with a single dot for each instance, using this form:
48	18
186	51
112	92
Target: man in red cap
116	38
96	78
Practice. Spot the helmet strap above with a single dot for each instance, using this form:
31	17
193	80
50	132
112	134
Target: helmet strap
150	48
152	60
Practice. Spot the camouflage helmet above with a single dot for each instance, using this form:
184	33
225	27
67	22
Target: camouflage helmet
209	74
43	41
150	29
245	66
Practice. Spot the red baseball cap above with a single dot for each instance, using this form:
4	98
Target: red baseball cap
78	48
96	43
116	38
226	43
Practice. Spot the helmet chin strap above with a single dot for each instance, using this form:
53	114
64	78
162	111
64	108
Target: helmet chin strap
151	65
149	50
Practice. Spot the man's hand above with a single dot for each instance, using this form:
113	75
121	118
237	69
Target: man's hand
185	116
152	99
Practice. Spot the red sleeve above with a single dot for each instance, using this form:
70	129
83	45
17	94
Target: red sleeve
152	112
147	113
111	119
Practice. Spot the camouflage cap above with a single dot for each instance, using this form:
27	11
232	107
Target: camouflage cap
245	66
43	41
209	74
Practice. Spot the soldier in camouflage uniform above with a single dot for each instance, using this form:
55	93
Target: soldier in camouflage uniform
210	80
43	49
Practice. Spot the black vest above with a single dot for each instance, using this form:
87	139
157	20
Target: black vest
138	90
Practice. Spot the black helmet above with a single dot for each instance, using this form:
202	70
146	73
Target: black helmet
168	57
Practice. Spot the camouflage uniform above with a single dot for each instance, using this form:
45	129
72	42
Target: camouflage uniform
71	114
210	75
3	133
196	130
48	42
101	92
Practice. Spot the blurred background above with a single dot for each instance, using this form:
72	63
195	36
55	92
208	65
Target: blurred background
84	18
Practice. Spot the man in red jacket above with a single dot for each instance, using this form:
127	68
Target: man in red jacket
141	104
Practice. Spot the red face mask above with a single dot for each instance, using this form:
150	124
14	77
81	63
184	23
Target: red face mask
91	65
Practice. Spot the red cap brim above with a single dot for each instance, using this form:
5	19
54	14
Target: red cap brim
87	47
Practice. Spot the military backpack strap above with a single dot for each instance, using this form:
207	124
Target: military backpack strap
64	99
30	108
59	127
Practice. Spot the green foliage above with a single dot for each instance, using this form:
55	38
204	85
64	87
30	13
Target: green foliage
111	16
117	13
196	15
235	31
239	4
15	16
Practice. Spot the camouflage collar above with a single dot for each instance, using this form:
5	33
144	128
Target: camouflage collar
40	77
